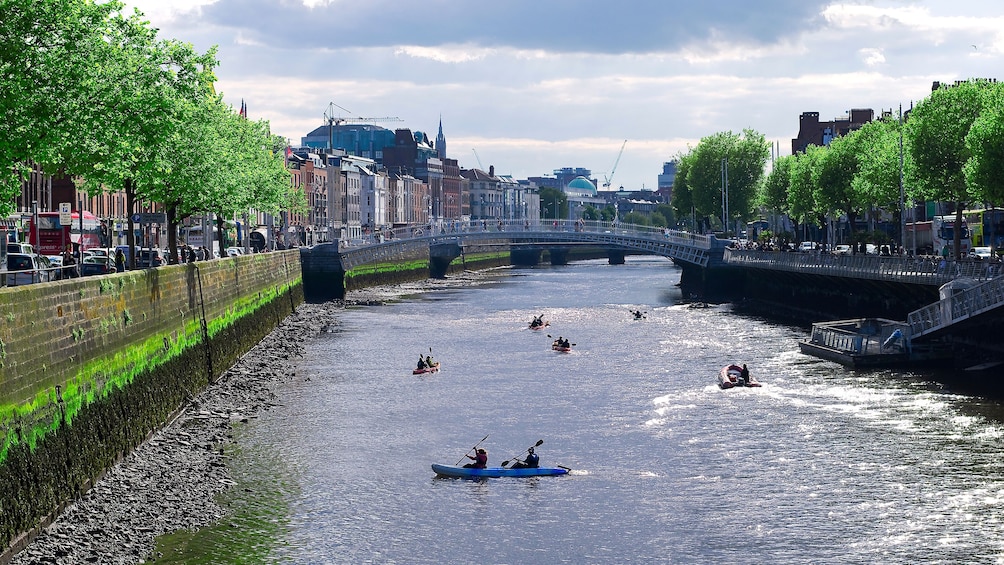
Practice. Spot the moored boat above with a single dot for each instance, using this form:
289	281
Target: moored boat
495	472
433	369
728	377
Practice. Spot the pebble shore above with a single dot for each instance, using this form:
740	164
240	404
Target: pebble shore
170	482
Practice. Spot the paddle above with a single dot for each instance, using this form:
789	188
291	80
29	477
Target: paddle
475	447
538	444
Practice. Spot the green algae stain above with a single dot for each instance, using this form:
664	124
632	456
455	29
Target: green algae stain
30	422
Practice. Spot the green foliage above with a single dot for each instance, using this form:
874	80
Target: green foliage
773	193
984	170
553	203
636	218
743	158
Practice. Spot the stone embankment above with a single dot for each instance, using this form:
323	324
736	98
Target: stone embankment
170	482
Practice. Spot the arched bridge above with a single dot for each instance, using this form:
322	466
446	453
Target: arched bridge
690	248
443	243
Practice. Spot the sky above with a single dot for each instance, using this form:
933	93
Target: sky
530	86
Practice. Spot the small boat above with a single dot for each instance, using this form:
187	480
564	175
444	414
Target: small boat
495	472
728	377
539	327
433	369
561	348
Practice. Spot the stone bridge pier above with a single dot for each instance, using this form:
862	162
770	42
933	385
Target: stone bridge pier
440	257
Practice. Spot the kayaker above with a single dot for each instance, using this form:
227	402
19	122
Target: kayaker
744	376
421	363
532	460
428	361
480	459
565	343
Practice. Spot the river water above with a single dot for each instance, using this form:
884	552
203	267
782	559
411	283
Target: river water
820	465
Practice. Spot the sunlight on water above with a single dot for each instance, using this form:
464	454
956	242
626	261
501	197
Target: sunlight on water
820	465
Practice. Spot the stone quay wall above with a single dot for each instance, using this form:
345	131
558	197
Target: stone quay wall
89	367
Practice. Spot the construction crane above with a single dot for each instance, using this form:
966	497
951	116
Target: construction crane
609	179
480	166
332	120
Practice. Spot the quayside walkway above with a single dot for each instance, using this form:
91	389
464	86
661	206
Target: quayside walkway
911	270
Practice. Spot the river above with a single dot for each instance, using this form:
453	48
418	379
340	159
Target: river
820	465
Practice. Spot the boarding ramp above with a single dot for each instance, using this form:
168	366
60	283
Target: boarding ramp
956	308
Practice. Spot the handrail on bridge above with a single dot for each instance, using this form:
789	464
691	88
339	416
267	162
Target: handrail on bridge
957	307
510	227
916	269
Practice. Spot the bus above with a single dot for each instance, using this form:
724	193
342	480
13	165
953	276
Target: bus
932	236
48	237
987	227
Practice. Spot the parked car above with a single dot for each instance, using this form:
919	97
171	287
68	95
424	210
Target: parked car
150	258
980	252
24	268
842	249
235	251
96	265
807	247
24	248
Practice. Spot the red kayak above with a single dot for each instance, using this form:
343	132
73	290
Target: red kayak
433	369
540	327
560	348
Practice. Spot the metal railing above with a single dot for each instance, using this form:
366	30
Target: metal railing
917	270
956	308
390	244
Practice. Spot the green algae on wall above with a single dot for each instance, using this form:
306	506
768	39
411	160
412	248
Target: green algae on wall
119	355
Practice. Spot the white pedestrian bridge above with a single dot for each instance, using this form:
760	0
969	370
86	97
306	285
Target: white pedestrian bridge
402	243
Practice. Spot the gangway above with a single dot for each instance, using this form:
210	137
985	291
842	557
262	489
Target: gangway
957	308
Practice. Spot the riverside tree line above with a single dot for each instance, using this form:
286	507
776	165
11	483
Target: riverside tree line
949	147
91	92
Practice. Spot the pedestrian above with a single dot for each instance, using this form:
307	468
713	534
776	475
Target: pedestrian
120	260
69	262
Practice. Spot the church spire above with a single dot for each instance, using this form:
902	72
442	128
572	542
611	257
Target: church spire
441	140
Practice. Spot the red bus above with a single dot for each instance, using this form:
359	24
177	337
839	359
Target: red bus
48	237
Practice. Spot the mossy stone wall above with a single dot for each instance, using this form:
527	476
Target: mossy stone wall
88	367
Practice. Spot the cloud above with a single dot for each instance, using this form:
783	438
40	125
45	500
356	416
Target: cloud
562	26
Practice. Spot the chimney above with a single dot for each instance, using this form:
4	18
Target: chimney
491	170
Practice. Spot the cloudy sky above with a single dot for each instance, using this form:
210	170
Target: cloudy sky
536	85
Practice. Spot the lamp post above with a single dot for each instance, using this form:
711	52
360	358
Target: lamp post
725	195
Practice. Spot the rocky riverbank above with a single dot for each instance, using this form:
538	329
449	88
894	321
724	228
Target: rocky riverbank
171	482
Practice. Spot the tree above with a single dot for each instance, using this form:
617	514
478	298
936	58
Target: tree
802	204
742	158
682	199
553	203
984	170
936	140
54	56
833	175
877	146
773	194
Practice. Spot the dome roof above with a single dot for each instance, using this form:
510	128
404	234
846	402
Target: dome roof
581	183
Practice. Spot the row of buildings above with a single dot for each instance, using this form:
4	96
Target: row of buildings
360	179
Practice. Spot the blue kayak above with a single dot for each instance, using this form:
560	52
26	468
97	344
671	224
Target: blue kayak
469	472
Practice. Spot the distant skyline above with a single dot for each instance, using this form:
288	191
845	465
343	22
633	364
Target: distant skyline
537	86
